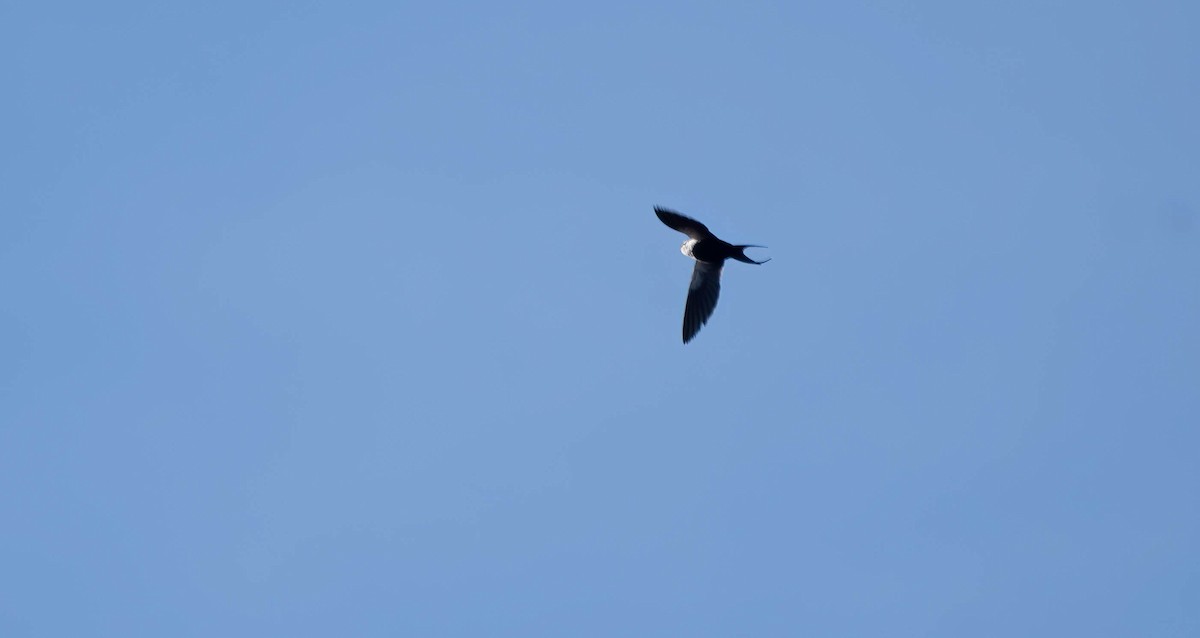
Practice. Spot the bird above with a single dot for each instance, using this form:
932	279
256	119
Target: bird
710	253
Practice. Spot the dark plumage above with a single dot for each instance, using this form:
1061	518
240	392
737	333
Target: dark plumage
710	254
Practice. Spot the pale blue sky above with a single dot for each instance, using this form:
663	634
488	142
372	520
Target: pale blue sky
355	319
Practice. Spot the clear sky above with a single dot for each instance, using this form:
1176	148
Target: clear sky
354	318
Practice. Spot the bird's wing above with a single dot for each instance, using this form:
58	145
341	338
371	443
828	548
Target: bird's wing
683	223
702	297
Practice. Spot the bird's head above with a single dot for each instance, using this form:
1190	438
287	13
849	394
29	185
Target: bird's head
687	246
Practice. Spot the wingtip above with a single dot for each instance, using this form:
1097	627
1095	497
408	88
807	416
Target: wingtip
689	332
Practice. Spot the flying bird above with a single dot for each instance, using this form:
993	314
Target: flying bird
710	254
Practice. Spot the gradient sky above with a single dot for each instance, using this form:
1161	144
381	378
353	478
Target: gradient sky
329	318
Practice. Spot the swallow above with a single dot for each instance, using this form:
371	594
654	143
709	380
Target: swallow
710	254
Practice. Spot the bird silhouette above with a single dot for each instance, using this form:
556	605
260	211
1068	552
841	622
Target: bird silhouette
710	253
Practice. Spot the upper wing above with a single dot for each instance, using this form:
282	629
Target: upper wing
682	223
702	297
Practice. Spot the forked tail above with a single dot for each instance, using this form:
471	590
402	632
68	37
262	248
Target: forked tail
740	255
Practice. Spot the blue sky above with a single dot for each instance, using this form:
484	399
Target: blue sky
355	319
